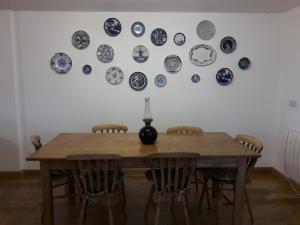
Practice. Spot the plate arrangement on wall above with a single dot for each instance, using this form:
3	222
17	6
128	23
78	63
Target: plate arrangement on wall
80	39
138	81
224	76
159	37
202	55
61	63
112	27
228	44
206	30
138	29
114	75
105	53
140	54
172	63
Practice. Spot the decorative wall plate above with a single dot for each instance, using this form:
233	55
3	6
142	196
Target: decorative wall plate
140	54
114	75
80	39
159	37
224	76
138	81
105	53
61	63
87	69
195	78
179	39
112	27
172	64
138	29
244	63
202	55
206	30
160	80
228	44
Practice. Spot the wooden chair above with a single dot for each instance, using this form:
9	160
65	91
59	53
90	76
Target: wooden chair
97	178
224	176
169	175
59	177
110	128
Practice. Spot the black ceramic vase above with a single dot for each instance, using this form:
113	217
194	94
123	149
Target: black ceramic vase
148	134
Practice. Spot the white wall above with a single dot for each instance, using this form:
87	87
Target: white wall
9	151
75	102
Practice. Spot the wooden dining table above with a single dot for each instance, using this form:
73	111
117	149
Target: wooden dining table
216	149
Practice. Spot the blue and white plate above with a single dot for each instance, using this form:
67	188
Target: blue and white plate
228	44
179	39
138	81
112	27
140	54
159	37
138	29
224	76
160	80
105	53
80	39
173	64
114	75
87	69
202	55
244	63
61	63
195	78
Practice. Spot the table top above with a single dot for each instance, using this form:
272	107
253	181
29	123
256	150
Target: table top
128	145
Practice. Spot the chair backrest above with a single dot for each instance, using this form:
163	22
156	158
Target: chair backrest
184	130
110	128
171	171
95	173
36	141
253	144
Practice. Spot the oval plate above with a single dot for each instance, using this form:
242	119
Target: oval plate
138	29
61	63
159	37
224	76
112	27
173	64
114	75
202	55
105	53
138	81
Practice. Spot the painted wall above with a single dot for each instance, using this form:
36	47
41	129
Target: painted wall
9	151
75	102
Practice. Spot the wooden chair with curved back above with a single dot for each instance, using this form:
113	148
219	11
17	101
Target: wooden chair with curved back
225	176
110	128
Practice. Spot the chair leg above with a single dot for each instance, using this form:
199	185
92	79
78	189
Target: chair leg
123	193
196	179
249	206
82	211
110	212
149	201
218	197
186	210
205	192
157	211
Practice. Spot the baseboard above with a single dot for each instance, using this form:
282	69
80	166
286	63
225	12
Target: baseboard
18	174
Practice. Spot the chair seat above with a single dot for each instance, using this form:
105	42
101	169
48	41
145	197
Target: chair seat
226	175
60	173
149	177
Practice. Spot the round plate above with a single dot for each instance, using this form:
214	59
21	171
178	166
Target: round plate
140	54
228	44
80	39
61	63
138	81
179	39
172	64
86	69
159	37
105	53
114	75
206	30
202	55
138	29
195	78
160	80
244	63
112	27
224	76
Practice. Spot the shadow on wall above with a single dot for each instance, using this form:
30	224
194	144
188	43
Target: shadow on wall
9	156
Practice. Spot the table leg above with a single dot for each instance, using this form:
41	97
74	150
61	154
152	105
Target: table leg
239	192
47	195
